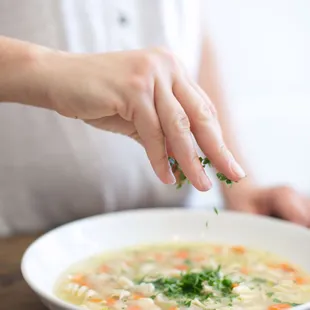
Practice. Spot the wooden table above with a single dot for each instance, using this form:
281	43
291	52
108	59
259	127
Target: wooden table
14	292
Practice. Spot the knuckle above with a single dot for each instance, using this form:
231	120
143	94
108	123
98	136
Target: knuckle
141	77
168	57
156	160
140	84
157	135
180	123
146	62
194	158
213	110
204	113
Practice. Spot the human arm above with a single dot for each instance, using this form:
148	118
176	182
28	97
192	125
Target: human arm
143	94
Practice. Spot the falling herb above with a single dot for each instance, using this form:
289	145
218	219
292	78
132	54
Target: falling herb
182	177
216	211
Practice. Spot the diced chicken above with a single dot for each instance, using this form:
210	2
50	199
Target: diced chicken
80	291
147	303
146	289
125	283
121	293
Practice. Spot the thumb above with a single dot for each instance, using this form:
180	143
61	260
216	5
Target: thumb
289	205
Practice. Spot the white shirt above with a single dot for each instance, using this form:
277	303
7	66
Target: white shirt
54	169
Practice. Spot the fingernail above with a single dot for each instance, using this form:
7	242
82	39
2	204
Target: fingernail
236	169
204	181
170	176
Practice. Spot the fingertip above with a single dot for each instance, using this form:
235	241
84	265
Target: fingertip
203	183
237	170
170	178
166	175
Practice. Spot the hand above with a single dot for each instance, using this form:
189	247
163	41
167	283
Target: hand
145	95
281	202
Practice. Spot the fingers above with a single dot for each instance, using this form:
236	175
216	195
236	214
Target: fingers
176	128
149	129
206	129
289	205
145	133
307	208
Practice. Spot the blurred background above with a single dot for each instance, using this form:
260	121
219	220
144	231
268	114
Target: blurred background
263	48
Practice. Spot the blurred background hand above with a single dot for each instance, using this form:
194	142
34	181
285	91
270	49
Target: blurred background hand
282	202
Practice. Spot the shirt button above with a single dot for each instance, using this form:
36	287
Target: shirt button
123	20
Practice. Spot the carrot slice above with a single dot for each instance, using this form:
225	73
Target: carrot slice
300	280
244	270
181	267
199	258
104	269
218	249
137	296
238	249
235	285
182	254
159	257
80	280
284	266
96	300
287	267
279	307
111	301
134	308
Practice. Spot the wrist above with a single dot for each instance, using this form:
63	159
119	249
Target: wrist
22	77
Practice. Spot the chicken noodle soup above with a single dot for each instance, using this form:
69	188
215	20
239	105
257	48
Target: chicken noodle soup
187	276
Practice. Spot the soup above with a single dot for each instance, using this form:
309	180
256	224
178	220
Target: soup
185	276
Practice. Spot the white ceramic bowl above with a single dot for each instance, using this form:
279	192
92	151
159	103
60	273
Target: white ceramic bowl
54	252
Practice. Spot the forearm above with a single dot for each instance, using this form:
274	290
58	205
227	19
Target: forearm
21	73
209	80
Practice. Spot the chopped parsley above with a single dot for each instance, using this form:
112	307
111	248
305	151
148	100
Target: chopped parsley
223	178
190	286
188	263
259	280
278	301
182	177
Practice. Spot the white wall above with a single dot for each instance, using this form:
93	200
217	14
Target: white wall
264	52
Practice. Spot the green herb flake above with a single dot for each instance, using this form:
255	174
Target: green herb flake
189	286
204	162
188	263
292	304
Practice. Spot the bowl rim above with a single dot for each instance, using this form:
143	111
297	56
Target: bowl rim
50	297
